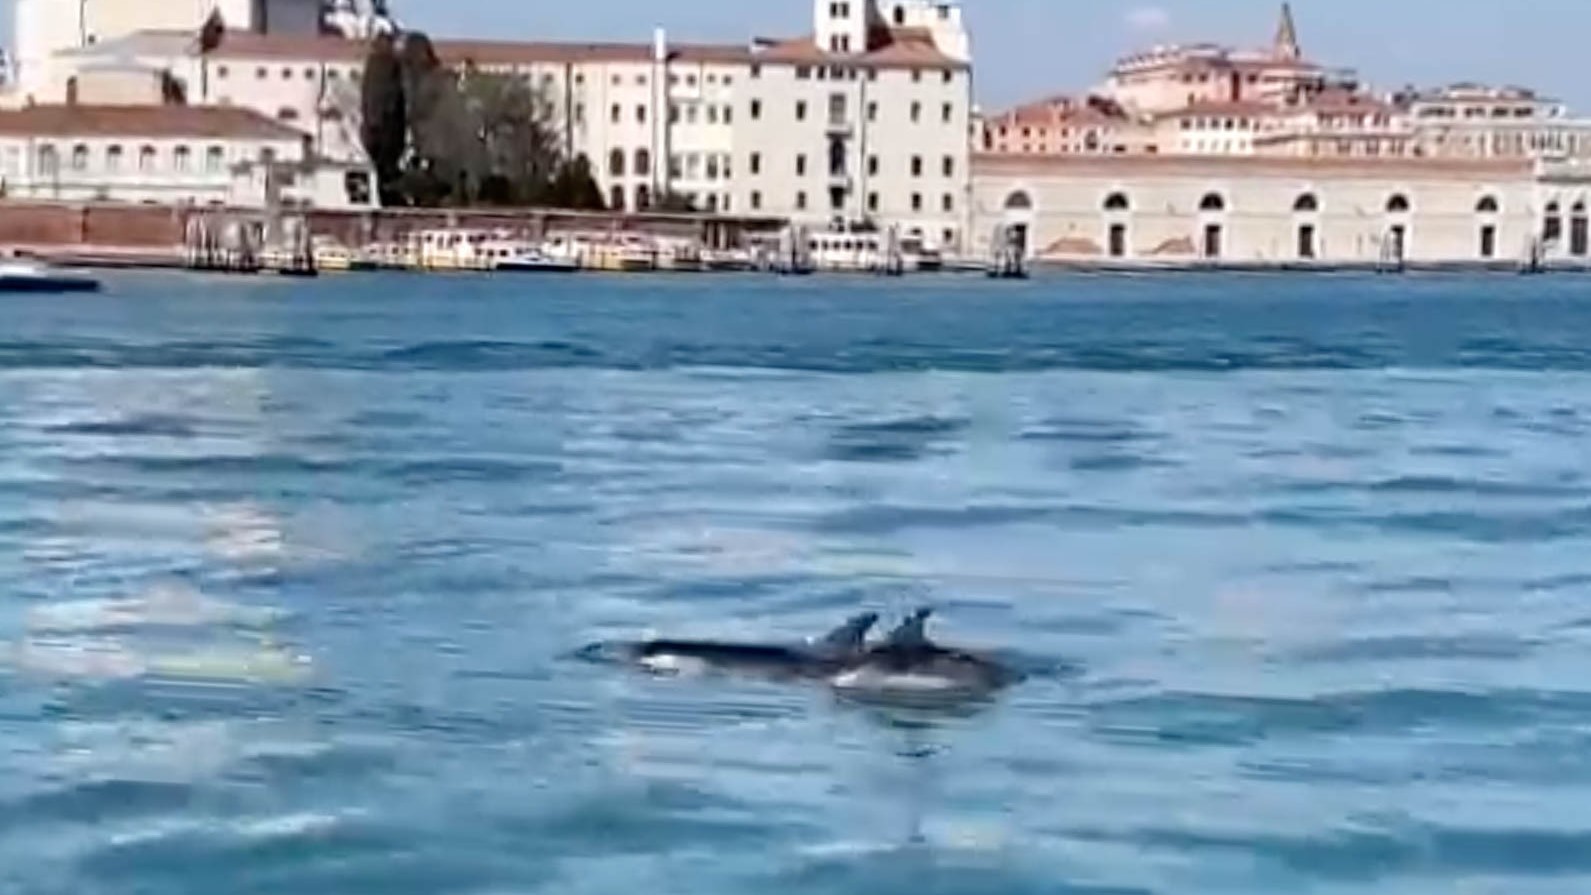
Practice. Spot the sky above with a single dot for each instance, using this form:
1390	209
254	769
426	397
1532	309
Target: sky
1028	48
1024	49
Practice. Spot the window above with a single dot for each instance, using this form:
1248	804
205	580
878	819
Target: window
917	166
1398	204
220	72
287	74
616	163
690	114
949	203
801	165
1212	202
616	198
673	113
1487	205
49	161
1488	246
113	159
180	158
615	113
712	114
917	76
803	73
1117	202
1579	237
946	112
872	201
755	163
756	200
949	76
261	74
1116	238
643	162
146	158
917	112
287	113
872	111
756	70
214	158
712	167
801	201
756	109
949	166
640	114
1306	203
801	110
872	165
917	201
79	157
729	114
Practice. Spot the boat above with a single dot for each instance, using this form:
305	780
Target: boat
534	260
28	276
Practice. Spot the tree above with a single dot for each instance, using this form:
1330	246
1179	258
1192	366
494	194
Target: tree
573	186
384	127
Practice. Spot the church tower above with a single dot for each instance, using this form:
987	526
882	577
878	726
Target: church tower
840	26
1285	46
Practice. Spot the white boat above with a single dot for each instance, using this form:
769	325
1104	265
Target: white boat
534	260
28	276
872	251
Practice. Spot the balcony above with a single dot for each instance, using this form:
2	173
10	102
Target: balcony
839	127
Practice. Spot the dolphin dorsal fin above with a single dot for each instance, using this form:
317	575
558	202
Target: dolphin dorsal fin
852	634
913	631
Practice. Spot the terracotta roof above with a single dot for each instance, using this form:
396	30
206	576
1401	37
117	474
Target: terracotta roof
205	122
898	48
1213	107
1064	110
1114	167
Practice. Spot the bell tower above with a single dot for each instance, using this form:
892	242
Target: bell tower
840	26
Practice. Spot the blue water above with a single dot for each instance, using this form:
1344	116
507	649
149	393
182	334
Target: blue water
291	572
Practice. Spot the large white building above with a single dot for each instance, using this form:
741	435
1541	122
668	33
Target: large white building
866	119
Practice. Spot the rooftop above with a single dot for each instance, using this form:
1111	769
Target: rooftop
898	48
156	122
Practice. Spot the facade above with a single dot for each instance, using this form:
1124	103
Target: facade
864	121
165	155
1271	211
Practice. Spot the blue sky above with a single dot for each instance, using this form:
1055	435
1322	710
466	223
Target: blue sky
1027	48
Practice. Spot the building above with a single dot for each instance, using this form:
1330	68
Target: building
158	155
862	121
44	28
1476	121
1168	210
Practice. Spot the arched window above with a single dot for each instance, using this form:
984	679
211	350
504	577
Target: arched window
80	157
1398	204
1306	202
1578	208
1486	205
643	197
146	158
1552	227
1212	202
1018	201
214	159
616	197
180	158
643	162
113	159
49	159
616	164
1117	202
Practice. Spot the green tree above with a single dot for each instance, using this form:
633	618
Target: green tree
384	126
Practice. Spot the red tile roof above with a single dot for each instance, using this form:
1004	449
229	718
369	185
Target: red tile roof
203	122
898	48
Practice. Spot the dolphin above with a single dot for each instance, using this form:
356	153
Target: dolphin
815	659
908	666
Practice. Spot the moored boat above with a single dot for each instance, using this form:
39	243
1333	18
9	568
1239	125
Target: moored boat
28	276
534	260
